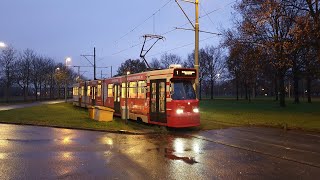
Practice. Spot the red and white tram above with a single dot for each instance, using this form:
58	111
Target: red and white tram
164	97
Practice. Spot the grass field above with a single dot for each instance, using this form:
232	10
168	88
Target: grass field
66	115
215	114
229	112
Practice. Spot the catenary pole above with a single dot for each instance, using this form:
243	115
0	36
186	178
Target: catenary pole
196	50
94	63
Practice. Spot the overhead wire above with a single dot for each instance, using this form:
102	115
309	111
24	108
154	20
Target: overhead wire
167	32
143	21
180	47
206	13
174	29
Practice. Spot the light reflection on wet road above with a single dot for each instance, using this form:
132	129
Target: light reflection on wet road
28	152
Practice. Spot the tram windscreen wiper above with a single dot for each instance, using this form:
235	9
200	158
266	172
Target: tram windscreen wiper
182	90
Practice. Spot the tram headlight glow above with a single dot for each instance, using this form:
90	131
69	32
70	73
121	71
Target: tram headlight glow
179	111
196	110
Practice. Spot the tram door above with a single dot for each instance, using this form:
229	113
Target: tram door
93	95
116	90
158	101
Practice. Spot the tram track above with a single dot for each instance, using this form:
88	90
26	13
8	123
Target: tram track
232	145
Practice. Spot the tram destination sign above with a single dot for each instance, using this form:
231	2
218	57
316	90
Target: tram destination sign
184	73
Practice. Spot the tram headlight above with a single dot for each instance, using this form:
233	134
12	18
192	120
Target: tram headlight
196	110
179	111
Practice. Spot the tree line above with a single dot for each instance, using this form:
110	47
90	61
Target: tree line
275	41
32	76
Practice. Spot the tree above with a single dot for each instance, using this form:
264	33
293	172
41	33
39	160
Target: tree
48	77
134	66
216	65
268	24
7	61
306	34
234	63
24	70
155	63
168	59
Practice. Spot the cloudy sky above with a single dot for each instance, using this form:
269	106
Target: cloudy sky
62	28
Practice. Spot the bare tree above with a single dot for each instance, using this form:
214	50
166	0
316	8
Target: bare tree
216	65
168	59
7	61
36	75
155	63
24	71
134	66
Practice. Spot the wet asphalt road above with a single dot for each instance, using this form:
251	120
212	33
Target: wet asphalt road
28	152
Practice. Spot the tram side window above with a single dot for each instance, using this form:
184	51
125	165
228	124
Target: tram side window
88	91
142	89
123	90
82	91
99	90
75	91
133	90
162	96
110	90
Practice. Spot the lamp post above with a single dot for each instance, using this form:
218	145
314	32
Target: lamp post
126	106
57	72
2	44
218	76
68	59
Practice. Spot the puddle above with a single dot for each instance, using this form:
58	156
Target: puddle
169	154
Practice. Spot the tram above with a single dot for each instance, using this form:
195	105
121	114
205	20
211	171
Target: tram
163	97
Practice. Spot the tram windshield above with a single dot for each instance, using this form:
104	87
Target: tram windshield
182	90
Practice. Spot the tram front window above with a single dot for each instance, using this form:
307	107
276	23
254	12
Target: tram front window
182	90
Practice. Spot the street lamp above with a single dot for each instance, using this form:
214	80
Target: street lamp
2	44
68	59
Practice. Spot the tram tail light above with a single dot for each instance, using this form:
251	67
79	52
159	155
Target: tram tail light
196	110
179	111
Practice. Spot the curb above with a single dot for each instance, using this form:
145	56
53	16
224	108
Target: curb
87	129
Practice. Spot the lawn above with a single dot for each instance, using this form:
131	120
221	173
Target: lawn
215	114
261	112
66	115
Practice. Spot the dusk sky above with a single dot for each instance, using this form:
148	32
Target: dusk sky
63	28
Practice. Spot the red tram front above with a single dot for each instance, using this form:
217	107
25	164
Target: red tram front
182	107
